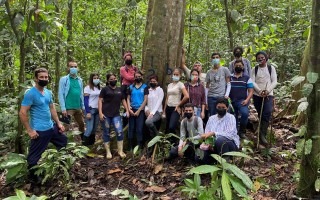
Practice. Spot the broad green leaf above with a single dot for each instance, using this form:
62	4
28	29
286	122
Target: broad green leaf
226	189
302	106
306	33
307	89
20	194
204	169
154	140
14	172
197	180
12	198
308	147
245	26
189	183
218	158
302	131
135	150
300	146
238	186
317	185
240	174
237	154
297	80
312	77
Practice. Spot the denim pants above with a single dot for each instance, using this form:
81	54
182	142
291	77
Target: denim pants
136	126
117	125
150	123
172	118
92	123
212	105
197	111
39	145
241	110
267	107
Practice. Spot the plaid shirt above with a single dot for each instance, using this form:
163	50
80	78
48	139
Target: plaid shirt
196	94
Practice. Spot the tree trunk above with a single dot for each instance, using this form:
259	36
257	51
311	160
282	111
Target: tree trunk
310	163
162	47
69	28
228	19
57	59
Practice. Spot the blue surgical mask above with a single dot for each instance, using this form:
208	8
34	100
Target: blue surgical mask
73	71
96	81
175	78
215	61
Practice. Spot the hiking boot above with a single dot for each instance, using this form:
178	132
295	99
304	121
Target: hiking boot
263	132
120	149
242	132
108	152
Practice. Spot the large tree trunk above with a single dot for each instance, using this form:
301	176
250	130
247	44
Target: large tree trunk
310	163
229	21
69	28
162	48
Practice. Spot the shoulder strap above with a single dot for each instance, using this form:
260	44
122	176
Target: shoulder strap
186	127
195	122
269	69
256	69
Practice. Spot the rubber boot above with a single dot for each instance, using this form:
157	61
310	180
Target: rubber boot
92	139
85	140
130	141
263	132
120	149
242	132
108	152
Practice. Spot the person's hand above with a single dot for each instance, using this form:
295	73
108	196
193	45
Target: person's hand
178	109
180	153
88	116
61	128
33	134
101	116
163	116
131	112
64	113
245	102
128	114
137	113
226	97
150	116
202	115
264	93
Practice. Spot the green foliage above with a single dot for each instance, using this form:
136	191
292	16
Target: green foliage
20	195
56	165
124	194
226	179
16	167
164	145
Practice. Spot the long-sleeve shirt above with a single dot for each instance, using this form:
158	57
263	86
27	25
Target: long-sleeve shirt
263	80
225	126
155	98
197	94
127	74
247	67
189	127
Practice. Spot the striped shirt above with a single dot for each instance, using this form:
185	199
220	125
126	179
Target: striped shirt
225	126
197	94
239	87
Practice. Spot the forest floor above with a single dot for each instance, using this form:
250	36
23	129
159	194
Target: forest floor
273	170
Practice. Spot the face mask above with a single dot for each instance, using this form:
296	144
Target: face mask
73	71
175	78
153	85
238	69
261	61
215	61
43	83
128	62
188	115
138	80
96	81
237	54
221	112
194	78
113	83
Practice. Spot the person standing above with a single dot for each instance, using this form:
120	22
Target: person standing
264	77
110	99
71	95
218	82
237	53
91	98
240	95
127	72
38	102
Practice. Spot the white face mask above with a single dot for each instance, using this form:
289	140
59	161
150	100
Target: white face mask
175	78
96	81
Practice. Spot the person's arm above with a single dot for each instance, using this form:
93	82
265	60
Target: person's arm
124	103
209	128
274	81
145	99
185	97
231	68
61	91
56	118
23	114
203	101
200	129
82	95
207	80
228	87
184	67
249	68
165	105
255	85
129	105
101	116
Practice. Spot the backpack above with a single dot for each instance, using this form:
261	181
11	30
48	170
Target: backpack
195	125
257	67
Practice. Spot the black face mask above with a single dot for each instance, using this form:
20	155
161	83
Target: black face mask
237	54
138	80
188	115
153	85
221	112
43	83
128	62
113	83
238	69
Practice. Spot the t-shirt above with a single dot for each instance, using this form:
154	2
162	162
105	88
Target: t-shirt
73	100
193	132
174	93
112	99
217	81
93	96
40	115
137	95
239	87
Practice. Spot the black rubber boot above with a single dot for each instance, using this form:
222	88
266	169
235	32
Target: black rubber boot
85	140
242	132
263	132
92	139
33	178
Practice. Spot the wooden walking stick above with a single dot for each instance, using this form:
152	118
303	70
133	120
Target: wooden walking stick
260	117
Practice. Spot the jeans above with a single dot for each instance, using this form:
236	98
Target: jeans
117	125
136	125
267	107
78	116
39	145
92	123
212	105
242	110
172	118
197	111
150	123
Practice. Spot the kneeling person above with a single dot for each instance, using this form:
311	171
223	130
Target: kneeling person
191	128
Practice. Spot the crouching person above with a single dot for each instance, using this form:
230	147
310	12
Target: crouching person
191	129
223	127
41	129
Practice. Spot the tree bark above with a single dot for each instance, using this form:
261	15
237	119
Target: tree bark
228	20
162	48
310	163
69	28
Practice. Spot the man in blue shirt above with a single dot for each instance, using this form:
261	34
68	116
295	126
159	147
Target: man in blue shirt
41	129
240	95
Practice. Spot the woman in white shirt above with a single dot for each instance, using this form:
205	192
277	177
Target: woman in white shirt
153	109
91	98
173	103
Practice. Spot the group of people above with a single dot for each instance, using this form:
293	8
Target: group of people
213	94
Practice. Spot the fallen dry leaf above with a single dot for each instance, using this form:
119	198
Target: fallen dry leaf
112	171
158	168
176	174
165	197
155	188
256	185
